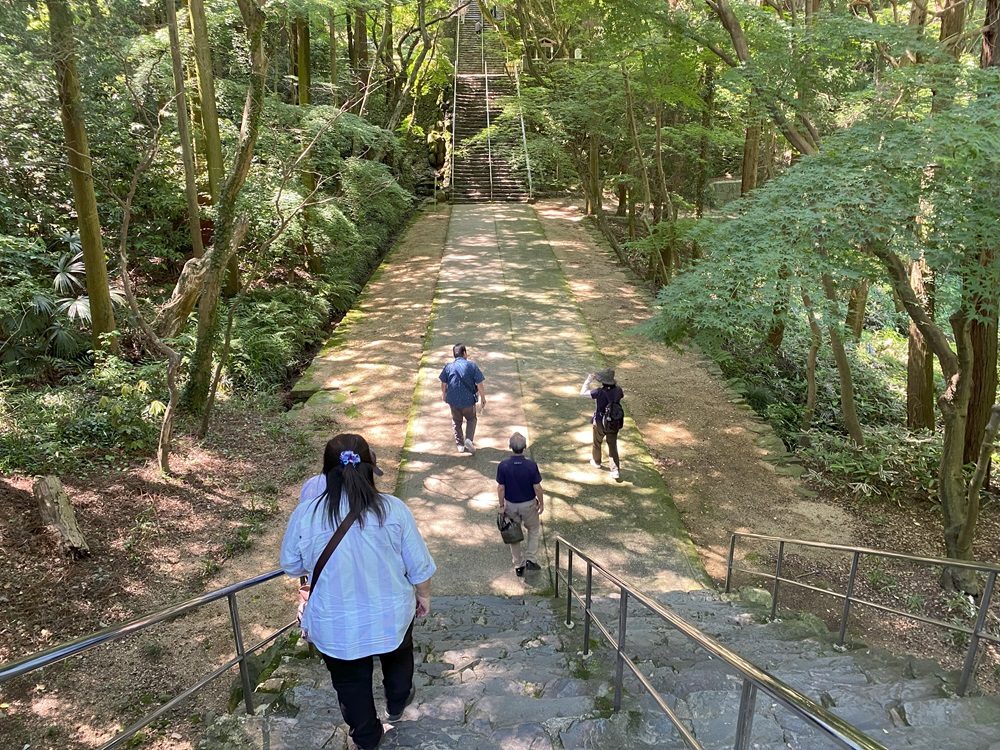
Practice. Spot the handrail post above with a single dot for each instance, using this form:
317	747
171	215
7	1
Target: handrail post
557	566
970	657
234	616
620	663
732	554
586	609
777	575
569	589
847	599
744	723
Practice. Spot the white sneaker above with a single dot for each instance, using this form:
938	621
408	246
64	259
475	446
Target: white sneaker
469	447
595	464
614	471
461	448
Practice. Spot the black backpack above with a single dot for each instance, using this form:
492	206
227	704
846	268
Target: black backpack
613	418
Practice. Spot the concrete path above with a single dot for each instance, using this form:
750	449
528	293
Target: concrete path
502	293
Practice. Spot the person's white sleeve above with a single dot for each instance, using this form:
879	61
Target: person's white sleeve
585	390
291	552
416	557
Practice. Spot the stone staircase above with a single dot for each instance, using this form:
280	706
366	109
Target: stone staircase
482	171
506	674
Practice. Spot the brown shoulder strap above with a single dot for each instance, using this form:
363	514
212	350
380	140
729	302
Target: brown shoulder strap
331	546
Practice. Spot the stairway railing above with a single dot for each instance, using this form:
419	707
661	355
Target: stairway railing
754	679
454	106
109	635
486	81
975	634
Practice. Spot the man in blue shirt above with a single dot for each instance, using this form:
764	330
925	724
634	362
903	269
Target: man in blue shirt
461	387
519	490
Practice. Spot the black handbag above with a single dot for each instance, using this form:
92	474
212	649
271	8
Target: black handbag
510	530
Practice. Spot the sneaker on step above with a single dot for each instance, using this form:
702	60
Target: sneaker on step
595	464
532	565
519	572
614	472
399	714
469	447
460	448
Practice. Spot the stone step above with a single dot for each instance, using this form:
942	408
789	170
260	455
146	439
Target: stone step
507	673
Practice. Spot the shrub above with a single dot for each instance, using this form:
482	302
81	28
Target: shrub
894	463
95	417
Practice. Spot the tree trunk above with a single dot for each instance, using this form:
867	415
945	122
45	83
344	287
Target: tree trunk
647	197
303	64
417	67
984	460
706	123
360	58
661	174
102	317
214	161
952	15
751	152
855	321
334	63
779	311
989	57
594	164
816	339
983	336
184	133
303	60
56	510
959	524
200	372
847	405
804	143
920	359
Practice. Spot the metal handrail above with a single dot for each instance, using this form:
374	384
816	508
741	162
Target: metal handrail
454	105
976	633
486	82
78	646
754	678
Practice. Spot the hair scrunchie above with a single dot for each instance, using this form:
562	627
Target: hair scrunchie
349	457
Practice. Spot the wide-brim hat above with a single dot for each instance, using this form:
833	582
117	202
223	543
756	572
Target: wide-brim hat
605	376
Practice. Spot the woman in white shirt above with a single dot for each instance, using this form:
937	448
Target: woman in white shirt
377	579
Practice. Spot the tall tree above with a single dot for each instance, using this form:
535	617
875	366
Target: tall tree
184	131
214	160
984	328
229	224
102	315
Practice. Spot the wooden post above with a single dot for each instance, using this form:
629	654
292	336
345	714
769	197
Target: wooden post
55	508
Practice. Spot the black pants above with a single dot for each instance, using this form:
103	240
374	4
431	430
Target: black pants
352	679
599	436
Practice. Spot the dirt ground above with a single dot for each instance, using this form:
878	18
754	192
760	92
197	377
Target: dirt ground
158	540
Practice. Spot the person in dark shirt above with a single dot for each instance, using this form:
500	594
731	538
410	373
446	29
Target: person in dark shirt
608	392
461	387
519	490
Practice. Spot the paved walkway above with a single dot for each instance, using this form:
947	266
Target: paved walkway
502	292
485	275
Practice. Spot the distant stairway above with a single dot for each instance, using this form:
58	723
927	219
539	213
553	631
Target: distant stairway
481	167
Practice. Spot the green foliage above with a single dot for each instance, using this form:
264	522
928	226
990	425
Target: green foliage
93	420
43	308
894	464
271	333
